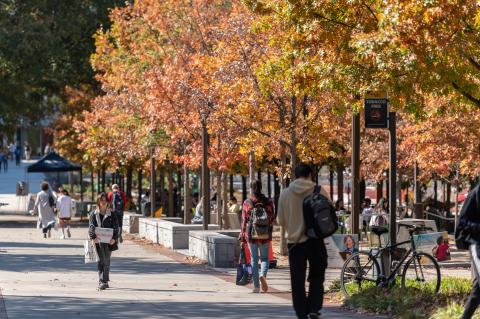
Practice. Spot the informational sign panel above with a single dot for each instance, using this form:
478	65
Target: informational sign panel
339	247
376	113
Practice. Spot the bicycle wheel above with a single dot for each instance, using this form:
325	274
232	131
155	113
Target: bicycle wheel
360	271
421	272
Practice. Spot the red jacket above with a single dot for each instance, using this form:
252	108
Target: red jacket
110	198
247	214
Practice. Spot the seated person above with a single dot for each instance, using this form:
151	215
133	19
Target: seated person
442	250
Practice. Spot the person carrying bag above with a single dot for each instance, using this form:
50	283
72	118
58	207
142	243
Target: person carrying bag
101	220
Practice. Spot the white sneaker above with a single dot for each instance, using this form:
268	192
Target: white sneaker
256	290
62	237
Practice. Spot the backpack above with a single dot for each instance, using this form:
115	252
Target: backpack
117	202
319	214
51	201
259	221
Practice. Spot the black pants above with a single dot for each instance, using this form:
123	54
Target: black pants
313	251
120	221
474	298
104	255
46	229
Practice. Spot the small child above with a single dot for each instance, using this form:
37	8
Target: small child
442	250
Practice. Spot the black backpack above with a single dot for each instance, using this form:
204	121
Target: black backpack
319	214
259	221
117	202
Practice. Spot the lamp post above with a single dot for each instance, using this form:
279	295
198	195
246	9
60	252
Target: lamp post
204	113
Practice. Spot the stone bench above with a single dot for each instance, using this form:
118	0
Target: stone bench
168	231
148	227
220	249
131	222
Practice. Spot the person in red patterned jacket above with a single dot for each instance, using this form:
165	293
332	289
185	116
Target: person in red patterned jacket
257	223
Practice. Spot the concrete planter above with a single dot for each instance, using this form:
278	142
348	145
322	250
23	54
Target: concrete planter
220	249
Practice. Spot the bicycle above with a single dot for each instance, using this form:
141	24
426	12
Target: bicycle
361	270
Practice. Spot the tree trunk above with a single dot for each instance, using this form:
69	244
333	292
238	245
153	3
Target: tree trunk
231	186
187	202
448	203
331	184
435	190
178	194
244	188
283	158
226	220
218	182
140	190
276	191
93	186
129	182
363	190
103	178
269	184
171	204
293	136
340	169
161	187
379	191
251	170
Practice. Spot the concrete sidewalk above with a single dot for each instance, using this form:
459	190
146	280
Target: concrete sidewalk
47	278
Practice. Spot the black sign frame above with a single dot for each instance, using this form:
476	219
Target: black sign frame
376	113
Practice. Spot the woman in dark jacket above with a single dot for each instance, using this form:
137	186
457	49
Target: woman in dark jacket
255	234
102	217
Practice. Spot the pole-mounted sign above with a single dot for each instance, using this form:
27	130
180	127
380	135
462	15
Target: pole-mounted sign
376	113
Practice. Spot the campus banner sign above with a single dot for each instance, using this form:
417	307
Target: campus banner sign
426	242
339	247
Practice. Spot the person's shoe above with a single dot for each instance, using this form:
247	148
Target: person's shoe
106	285
49	233
45	236
69	234
256	290
102	286
120	239
263	283
314	315
62	237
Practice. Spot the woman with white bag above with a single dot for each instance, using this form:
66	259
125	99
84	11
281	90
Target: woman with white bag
103	231
45	203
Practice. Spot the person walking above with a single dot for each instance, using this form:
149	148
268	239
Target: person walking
118	201
103	217
45	204
302	248
5	160
27	151
467	236
11	150
257	220
234	208
18	155
64	206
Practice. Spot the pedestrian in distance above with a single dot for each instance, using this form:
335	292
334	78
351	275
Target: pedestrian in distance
5	160
234	208
301	248
118	201
103	217
27	150
11	150
64	207
258	216
45	205
467	237
18	155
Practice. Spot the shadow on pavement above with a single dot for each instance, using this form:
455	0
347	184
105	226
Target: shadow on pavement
68	263
26	307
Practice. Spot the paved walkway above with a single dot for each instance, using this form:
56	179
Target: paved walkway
47	278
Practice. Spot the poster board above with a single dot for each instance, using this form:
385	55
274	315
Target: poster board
104	234
339	247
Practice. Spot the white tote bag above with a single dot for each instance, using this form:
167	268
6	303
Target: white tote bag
90	252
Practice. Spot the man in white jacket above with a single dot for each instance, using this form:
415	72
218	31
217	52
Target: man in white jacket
301	248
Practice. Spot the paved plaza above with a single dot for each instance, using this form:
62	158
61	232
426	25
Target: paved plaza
47	278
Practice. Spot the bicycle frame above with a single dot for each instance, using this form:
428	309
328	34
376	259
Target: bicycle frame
379	254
